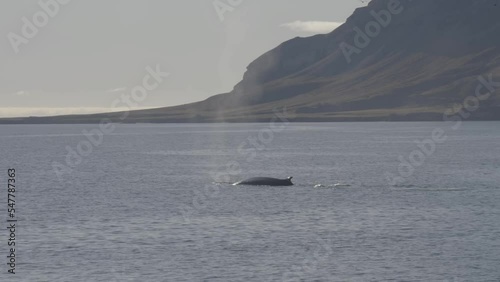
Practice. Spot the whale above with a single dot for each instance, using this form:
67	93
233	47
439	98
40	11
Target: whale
266	181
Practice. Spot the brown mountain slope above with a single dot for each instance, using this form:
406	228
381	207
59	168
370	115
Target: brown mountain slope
422	61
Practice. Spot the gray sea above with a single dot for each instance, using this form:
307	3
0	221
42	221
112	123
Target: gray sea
371	202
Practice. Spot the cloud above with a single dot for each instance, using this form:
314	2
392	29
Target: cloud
121	89
22	93
312	26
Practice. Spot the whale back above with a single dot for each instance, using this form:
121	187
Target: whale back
266	181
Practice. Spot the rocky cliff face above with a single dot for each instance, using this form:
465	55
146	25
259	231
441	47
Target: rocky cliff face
415	52
390	60
435	28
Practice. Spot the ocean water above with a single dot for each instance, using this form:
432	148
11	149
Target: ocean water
154	202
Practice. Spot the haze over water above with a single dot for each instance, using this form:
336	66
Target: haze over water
144	205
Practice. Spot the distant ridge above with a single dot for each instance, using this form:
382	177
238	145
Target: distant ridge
420	64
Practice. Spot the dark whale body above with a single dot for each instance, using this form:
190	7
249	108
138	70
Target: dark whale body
266	181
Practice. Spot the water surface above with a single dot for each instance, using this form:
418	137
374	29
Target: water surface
145	204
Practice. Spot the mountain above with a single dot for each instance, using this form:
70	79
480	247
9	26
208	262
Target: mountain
391	60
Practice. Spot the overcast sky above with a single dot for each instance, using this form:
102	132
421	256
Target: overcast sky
87	53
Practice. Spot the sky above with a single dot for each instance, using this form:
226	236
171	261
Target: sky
79	56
